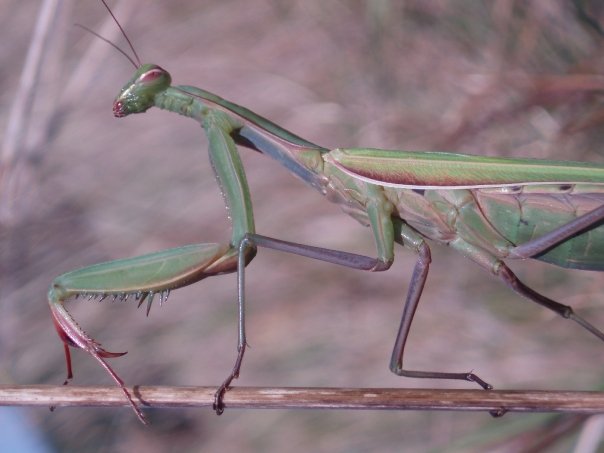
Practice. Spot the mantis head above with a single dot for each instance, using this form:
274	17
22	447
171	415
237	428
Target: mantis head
139	93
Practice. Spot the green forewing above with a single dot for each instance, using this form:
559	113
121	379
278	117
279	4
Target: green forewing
450	170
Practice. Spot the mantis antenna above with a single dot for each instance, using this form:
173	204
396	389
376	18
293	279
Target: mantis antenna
136	63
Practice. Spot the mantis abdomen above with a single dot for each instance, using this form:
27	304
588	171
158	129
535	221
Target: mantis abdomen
532	213
499	219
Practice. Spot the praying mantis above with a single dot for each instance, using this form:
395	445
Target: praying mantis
488	209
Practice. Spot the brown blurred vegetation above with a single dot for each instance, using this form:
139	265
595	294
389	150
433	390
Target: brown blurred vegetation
507	77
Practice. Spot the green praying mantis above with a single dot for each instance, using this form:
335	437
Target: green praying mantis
489	209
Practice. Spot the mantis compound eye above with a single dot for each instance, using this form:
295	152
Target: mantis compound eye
154	75
151	76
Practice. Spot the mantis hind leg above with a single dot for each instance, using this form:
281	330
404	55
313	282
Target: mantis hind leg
494	265
510	279
499	269
537	246
414	241
411	239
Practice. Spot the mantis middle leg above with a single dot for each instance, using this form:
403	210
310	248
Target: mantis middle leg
379	216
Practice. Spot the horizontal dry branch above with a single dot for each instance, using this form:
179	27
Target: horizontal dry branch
497	401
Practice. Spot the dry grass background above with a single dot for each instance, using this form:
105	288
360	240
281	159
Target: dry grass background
505	78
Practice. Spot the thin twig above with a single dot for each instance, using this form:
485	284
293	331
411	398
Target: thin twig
310	398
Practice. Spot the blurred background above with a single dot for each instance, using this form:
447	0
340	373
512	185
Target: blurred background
507	78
